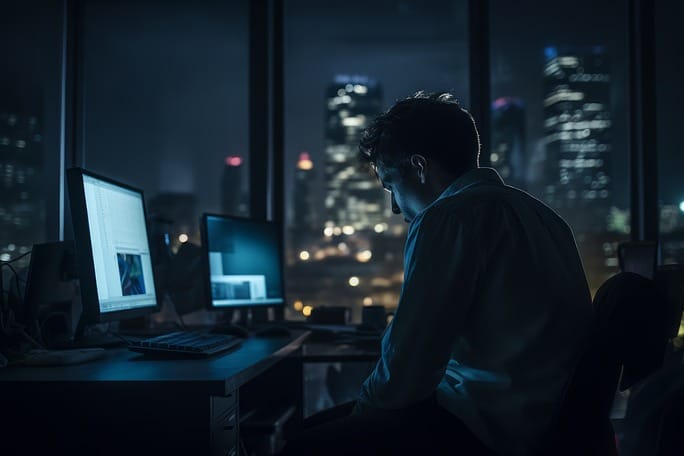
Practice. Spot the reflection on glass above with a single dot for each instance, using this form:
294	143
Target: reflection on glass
30	45
669	102
166	103
344	247
558	119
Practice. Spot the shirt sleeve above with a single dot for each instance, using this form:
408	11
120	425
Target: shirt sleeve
441	264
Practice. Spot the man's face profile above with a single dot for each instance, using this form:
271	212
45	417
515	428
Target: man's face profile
404	188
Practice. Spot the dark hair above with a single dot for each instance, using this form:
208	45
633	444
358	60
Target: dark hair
433	125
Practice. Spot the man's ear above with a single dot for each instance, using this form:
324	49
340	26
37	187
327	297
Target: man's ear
420	163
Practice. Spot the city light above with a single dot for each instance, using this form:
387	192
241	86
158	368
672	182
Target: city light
354	281
183	238
348	230
337	231
304	255
307	311
328	231
298	305
233	160
380	227
367	301
356	121
305	162
364	256
5	257
681	206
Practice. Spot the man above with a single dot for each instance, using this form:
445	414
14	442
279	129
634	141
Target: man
495	309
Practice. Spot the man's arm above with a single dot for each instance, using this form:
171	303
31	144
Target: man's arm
441	265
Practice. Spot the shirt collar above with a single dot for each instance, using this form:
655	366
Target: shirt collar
473	177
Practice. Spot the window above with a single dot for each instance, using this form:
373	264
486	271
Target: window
345	62
166	103
559	116
31	46
669	102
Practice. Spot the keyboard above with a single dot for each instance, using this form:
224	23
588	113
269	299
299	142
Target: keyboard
185	344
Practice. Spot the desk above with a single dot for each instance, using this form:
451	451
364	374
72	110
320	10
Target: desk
334	371
126	404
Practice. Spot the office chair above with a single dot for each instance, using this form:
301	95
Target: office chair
627	344
640	257
669	279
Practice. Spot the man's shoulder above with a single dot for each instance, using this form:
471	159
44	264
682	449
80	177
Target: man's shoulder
477	197
486	201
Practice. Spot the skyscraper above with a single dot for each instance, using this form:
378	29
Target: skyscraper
508	140
352	197
577	136
22	193
233	196
304	216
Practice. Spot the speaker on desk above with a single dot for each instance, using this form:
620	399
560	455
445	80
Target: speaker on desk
52	298
374	317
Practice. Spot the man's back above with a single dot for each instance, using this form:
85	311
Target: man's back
528	319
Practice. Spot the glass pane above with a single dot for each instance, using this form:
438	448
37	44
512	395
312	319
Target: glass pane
30	45
345	62
559	116
669	102
166	103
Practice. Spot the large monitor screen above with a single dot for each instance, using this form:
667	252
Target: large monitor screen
119	249
244	261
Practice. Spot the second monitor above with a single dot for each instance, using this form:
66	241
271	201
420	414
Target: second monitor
243	260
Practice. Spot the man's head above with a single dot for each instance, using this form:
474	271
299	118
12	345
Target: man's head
418	147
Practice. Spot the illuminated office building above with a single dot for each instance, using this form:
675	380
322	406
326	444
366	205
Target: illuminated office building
577	136
508	141
233	196
22	200
304	222
352	198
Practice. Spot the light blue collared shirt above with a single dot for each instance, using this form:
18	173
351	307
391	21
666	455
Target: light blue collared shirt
494	311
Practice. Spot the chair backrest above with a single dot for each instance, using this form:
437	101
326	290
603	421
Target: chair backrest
670	281
632	318
629	334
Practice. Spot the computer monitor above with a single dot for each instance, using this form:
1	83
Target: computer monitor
112	248
243	262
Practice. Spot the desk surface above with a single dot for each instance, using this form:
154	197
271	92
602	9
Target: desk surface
216	375
332	352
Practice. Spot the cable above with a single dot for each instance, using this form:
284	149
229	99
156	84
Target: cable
17	258
182	322
16	278
8	323
119	336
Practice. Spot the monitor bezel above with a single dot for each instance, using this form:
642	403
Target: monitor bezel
207	273
84	251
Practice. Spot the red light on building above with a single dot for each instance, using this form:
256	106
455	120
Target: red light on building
304	162
233	160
